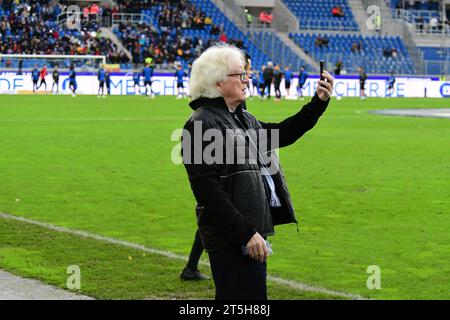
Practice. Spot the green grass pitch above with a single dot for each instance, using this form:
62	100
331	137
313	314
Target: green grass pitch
368	190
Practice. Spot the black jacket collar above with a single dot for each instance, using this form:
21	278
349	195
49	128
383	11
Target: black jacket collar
218	102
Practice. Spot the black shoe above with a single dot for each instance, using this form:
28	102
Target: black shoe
191	274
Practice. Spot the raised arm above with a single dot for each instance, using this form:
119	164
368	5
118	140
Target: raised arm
292	128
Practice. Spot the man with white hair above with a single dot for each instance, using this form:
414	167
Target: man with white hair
240	196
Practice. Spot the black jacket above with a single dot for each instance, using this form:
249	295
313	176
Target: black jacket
232	196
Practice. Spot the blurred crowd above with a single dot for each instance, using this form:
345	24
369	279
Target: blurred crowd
31	27
166	42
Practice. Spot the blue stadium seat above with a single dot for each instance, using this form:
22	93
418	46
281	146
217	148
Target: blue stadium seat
370	57
316	14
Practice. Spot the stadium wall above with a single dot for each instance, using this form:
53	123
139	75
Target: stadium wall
165	84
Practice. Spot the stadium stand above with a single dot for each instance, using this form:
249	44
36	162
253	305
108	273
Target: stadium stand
415	5
376	54
207	33
314	14
31	27
435	58
274	47
425	16
172	32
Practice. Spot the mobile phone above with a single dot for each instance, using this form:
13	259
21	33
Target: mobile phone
322	65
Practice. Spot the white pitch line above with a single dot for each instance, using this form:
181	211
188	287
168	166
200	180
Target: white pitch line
289	283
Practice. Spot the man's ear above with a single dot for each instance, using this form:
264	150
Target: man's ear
219	86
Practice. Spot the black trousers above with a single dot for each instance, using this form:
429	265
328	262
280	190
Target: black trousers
277	91
268	85
196	252
237	276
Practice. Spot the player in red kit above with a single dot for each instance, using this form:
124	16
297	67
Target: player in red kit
42	76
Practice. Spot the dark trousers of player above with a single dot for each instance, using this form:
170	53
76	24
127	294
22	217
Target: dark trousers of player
261	90
55	83
101	86
40	84
268	85
237	276
277	90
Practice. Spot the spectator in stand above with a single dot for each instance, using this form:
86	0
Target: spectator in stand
208	21
433	24
215	30
337	70
223	37
95	9
337	11
86	12
420	23
262	18
269	19
356	47
248	18
321	41
394	53
265	18
440	23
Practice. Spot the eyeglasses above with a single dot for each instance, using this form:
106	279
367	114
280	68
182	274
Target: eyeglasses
241	75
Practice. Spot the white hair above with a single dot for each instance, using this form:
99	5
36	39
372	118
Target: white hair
212	67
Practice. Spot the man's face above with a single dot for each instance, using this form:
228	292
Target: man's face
233	89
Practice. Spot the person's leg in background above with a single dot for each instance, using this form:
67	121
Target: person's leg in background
268	85
191	272
277	92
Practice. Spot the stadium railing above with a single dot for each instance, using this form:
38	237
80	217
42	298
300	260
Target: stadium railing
334	25
411	17
134	18
72	17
